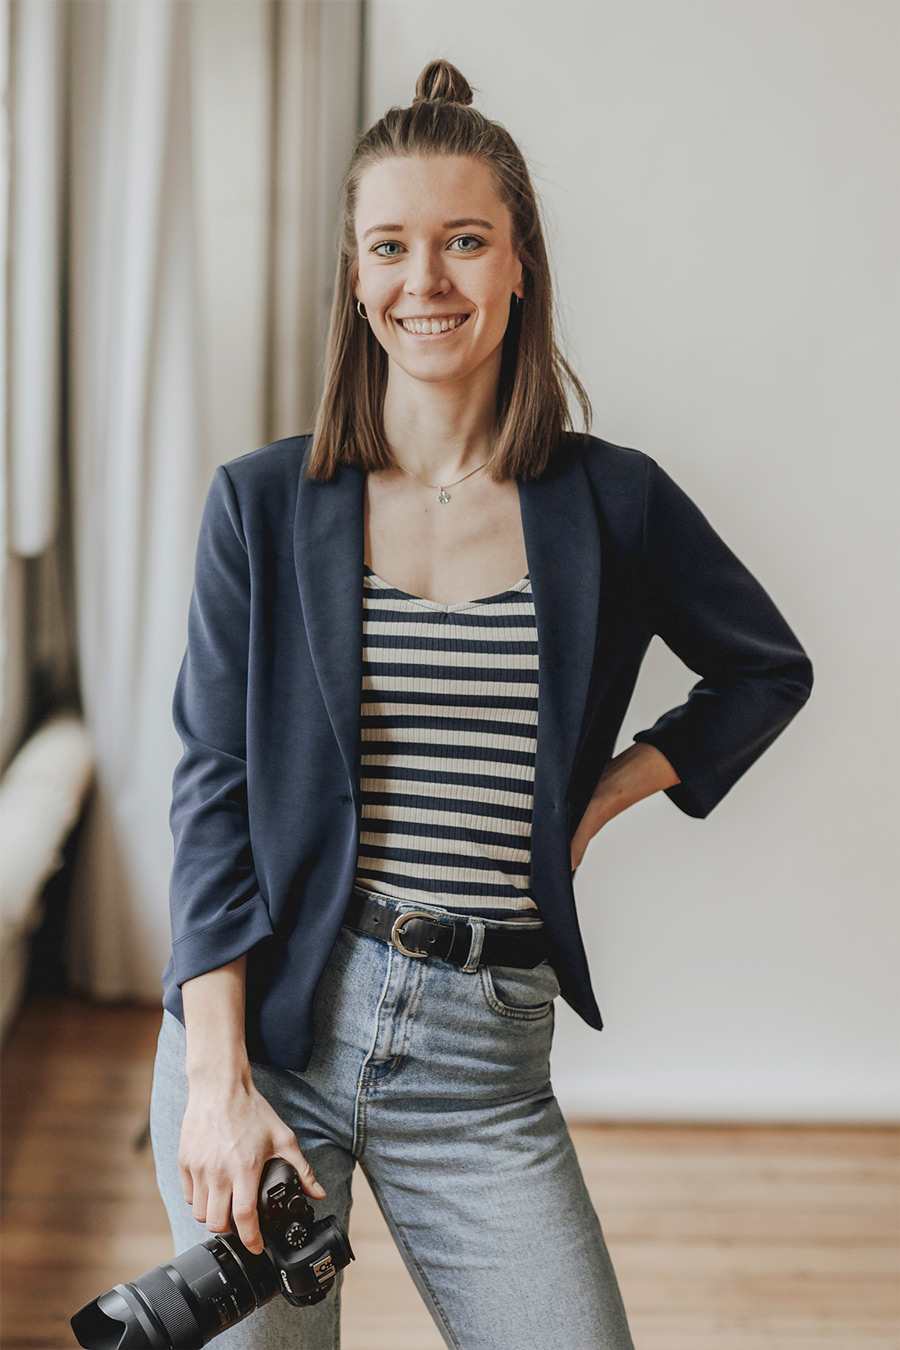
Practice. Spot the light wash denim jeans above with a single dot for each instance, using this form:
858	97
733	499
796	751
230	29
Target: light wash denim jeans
437	1082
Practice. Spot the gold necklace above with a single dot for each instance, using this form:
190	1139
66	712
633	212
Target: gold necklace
443	494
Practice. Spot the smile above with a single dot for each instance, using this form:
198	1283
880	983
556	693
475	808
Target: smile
429	327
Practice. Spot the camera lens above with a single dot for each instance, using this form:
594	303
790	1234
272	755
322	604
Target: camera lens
182	1304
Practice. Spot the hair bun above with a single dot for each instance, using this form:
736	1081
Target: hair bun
441	81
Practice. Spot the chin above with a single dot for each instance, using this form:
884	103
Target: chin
438	368
432	368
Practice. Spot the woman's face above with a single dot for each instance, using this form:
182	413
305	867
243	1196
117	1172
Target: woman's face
436	264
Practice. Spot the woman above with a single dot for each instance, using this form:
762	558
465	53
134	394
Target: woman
387	784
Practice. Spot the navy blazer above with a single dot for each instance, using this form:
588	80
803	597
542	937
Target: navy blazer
265	809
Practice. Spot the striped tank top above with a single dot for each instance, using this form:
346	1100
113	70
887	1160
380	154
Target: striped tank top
448	722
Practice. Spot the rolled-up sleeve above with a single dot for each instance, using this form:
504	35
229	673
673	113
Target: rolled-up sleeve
216	907
708	608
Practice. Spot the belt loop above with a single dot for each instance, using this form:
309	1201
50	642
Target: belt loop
476	945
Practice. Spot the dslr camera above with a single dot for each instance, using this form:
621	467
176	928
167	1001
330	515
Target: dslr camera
186	1302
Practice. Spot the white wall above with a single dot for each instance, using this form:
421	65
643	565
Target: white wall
721	192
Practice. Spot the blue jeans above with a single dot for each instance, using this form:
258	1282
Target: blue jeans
437	1082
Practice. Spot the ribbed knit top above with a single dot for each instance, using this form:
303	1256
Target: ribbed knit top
448	715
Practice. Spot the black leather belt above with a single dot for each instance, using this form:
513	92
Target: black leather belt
462	942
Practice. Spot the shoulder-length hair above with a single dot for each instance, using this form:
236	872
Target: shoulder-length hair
532	404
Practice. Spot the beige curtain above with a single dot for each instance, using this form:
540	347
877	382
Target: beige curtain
197	161
37	667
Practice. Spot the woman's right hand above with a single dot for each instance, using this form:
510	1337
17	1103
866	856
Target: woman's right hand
228	1134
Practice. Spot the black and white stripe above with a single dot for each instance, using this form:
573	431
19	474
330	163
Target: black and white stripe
449	731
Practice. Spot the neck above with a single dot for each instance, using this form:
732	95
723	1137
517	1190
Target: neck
443	430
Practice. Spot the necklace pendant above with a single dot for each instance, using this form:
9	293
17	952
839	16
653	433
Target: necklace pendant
443	496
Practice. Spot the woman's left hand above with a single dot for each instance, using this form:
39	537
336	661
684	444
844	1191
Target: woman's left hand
634	774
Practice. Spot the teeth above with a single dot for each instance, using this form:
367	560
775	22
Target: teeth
432	325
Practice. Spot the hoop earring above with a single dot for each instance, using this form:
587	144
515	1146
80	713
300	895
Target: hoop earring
361	311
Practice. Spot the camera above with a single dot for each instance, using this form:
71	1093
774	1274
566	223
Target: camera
186	1302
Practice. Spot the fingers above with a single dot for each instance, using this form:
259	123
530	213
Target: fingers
244	1211
199	1201
209	1198
215	1205
284	1145
218	1208
187	1182
291	1153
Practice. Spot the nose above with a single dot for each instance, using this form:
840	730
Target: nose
425	274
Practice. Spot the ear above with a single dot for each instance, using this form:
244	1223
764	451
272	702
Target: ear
354	279
519	287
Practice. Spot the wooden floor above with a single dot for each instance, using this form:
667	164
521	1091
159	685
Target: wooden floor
723	1238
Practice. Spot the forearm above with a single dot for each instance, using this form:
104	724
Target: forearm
214	1010
637	772
229	1128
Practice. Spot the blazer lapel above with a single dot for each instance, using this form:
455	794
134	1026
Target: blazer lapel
329	550
562	541
562	544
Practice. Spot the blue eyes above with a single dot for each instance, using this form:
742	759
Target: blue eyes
472	240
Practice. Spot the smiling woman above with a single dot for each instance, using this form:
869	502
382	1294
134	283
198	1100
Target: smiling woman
440	224
413	638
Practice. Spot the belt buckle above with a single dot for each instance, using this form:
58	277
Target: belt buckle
398	924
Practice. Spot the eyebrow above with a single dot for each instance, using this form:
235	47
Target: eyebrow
448	225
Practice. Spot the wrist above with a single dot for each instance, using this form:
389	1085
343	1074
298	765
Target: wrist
217	1056
224	1073
637	772
214	1025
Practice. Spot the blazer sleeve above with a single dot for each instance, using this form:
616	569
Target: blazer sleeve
216	907
708	608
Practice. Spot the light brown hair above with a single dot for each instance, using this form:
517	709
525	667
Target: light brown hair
532	406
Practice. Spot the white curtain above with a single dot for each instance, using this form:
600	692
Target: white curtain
138	446
199	135
36	98
35	646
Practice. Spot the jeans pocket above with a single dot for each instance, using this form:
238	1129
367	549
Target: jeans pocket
522	994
